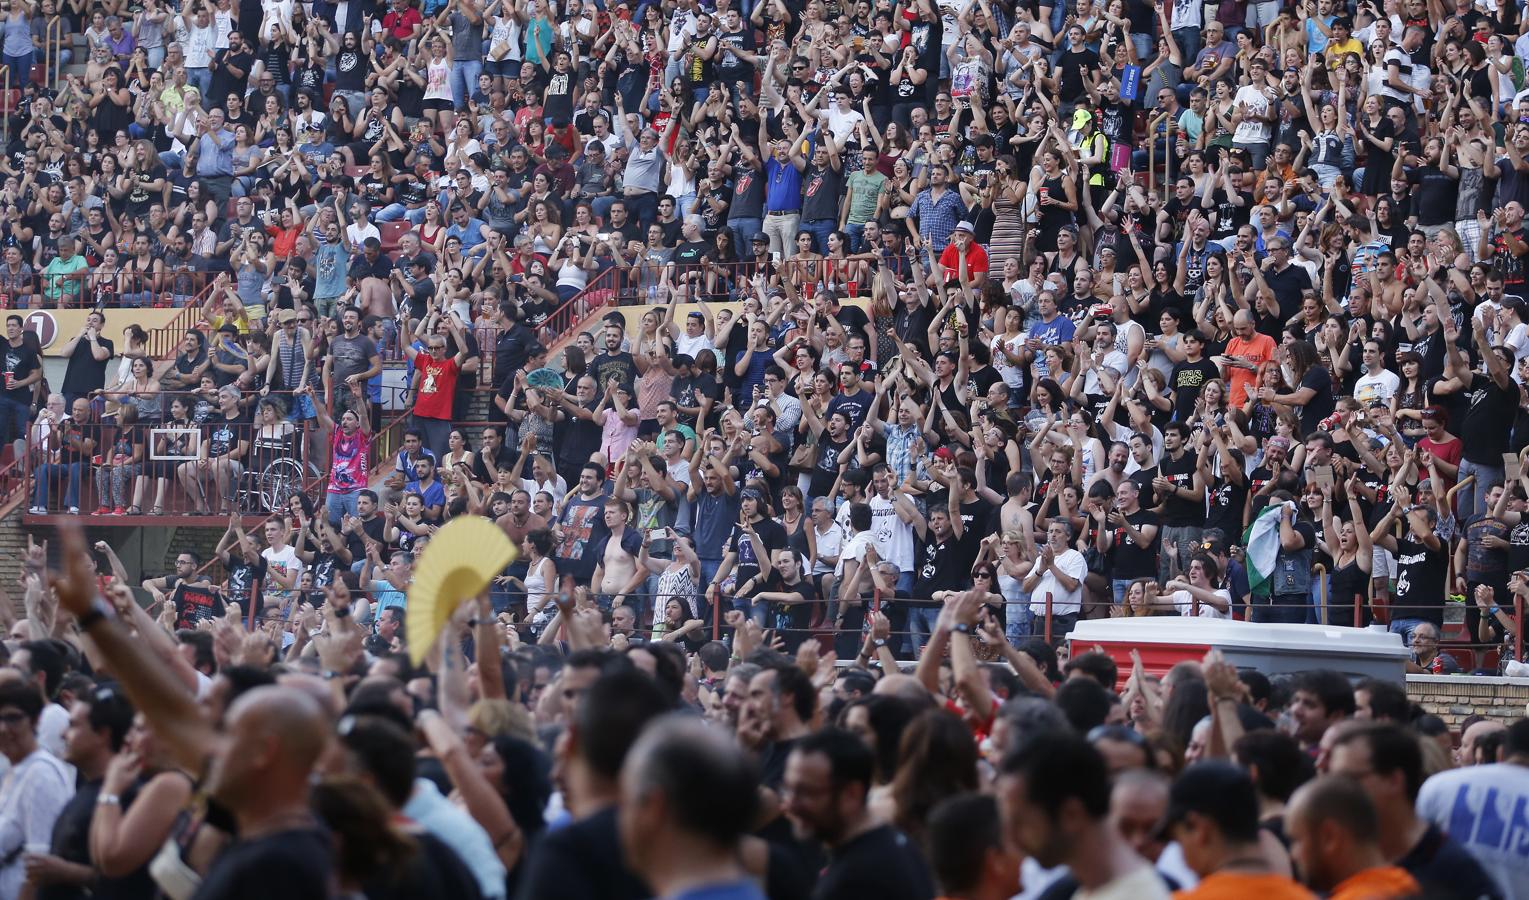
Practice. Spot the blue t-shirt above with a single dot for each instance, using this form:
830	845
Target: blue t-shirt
331	262
733	890
715	517
783	187
434	495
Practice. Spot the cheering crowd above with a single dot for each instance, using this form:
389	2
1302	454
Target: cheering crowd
839	359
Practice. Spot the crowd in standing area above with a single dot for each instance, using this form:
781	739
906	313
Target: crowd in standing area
904	336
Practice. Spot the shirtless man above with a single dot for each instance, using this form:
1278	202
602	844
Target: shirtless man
1115	472
616	572
520	521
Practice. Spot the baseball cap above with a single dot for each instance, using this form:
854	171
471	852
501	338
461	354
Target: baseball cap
1220	791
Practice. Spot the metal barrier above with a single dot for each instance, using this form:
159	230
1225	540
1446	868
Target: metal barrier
1168	130
156	467
52	49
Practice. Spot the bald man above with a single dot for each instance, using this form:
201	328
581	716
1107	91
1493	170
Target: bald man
258	767
1245	352
1334	835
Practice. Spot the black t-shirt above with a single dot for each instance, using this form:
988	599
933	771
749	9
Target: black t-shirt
771	534
1419	582
853	320
1128	559
195	601
85	373
1226	500
245	579
790	620
826	469
20	361
294	865
821	190
1177	511
578	861
436	871
880	863
1490	410
688	392
1321	404
619	365
938	565
1186	381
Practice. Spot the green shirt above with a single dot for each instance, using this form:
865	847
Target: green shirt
864	188
54	286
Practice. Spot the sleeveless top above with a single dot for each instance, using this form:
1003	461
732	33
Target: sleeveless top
438	81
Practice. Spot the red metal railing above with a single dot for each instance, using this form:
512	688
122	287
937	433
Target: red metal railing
124	474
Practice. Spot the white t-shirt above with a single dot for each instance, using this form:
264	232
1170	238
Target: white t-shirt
283	562
1251	130
693	346
855	548
1063	601
1379	385
829	543
893	536
1184	600
1482	808
1013	374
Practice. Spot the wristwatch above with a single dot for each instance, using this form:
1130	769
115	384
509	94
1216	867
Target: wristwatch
879	642
109	800
961	628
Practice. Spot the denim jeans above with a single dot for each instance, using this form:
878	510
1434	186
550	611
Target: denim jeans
201	77
1176	550
49	473
821	229
921	620
1018	620
13	420
743	232
1473	497
1289	609
1405	627
1188	40
856	234
20	66
338	505
464	79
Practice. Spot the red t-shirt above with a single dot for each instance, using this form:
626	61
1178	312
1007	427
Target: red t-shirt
1450	452
437	386
976	259
402	25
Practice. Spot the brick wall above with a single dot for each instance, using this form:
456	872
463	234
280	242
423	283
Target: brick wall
1454	697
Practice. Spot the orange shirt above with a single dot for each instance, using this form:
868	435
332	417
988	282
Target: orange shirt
1373	884
1258	351
1240	886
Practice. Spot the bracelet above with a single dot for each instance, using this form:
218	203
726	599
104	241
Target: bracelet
109	800
99	611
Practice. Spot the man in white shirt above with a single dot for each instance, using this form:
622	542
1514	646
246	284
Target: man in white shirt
1059	572
1480	806
282	565
1378	383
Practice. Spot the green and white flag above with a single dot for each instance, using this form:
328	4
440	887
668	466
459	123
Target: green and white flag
1262	543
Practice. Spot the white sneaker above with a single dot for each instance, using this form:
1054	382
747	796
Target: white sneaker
74	510
38	511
